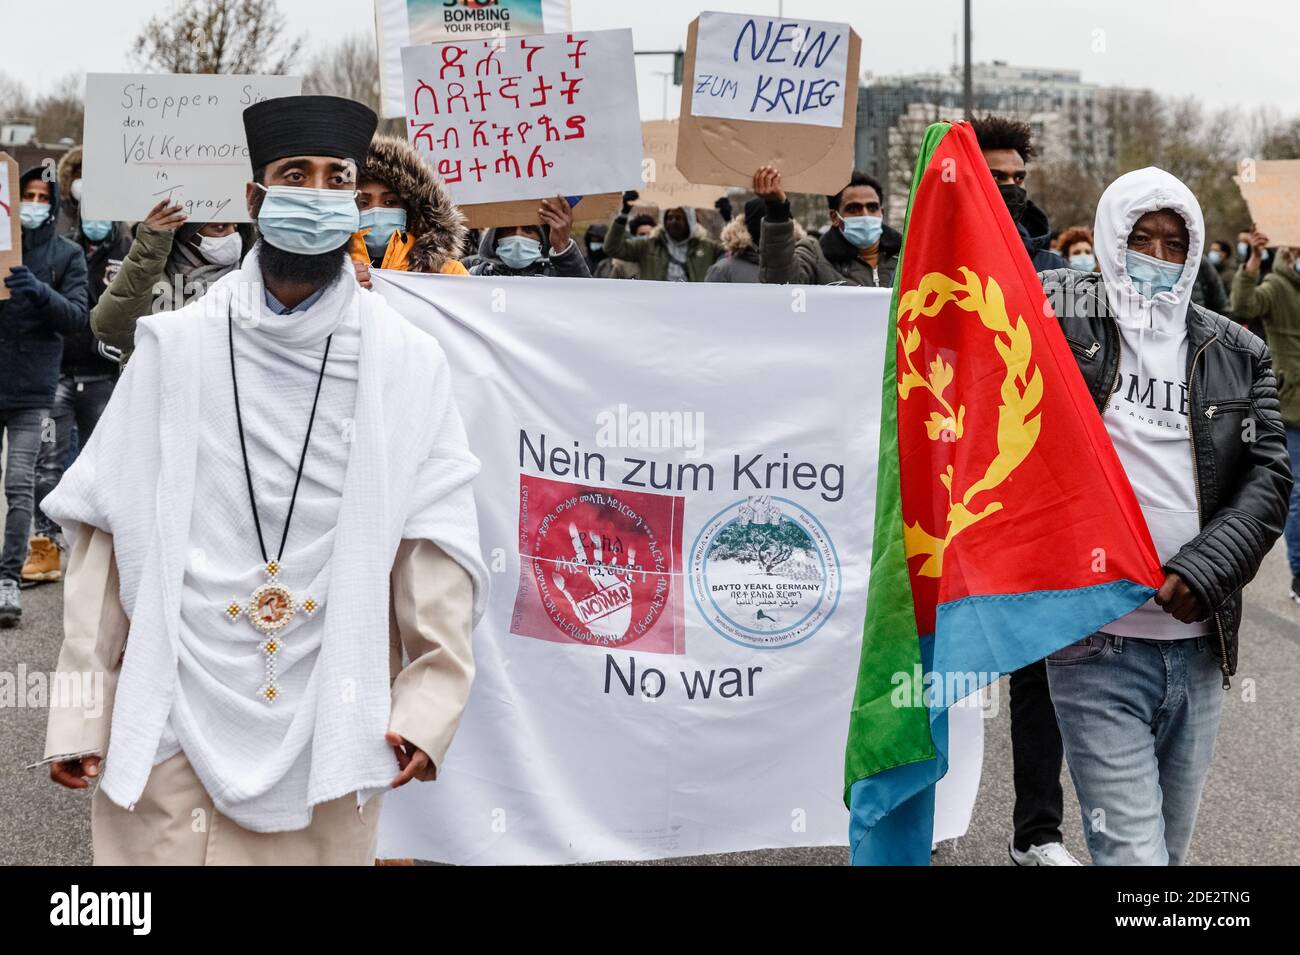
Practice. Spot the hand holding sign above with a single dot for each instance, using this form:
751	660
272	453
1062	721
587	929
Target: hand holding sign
557	216
766	91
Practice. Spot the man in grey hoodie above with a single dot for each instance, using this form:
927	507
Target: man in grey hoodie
1190	402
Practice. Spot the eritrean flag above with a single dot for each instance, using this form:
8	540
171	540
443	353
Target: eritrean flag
1005	525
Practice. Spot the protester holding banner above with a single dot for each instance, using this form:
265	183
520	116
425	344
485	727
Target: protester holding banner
546	249
1139	702
740	240
1274	303
282	737
858	249
171	262
408	220
47	299
86	375
679	250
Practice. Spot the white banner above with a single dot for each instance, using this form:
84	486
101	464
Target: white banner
180	137
770	70
526	117
676	500
400	23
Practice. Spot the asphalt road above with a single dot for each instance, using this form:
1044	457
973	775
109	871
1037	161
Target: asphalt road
1248	815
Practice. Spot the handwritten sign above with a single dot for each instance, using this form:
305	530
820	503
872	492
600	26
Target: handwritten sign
526	117
770	70
402	23
150	137
1271	188
11	241
664	185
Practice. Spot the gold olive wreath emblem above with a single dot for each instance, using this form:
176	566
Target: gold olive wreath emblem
1020	393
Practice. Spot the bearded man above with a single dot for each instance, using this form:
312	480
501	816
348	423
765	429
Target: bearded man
273	515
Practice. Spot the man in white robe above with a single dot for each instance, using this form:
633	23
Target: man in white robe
274	553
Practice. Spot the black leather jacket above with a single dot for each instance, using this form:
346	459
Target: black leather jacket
1239	456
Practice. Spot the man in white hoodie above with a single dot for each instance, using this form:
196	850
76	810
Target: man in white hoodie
1190	402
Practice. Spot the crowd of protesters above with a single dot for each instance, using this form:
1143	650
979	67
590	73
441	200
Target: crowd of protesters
68	326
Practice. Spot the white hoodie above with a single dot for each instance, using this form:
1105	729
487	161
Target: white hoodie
1147	415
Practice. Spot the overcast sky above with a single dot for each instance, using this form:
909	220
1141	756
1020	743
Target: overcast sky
1227	54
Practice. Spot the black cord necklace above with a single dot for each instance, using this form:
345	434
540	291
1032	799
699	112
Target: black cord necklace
271	606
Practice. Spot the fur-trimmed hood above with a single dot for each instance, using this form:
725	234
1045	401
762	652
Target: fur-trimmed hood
735	236
69	170
431	215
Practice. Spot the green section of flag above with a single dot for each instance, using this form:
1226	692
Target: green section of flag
881	734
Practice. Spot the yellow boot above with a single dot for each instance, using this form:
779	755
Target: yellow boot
42	561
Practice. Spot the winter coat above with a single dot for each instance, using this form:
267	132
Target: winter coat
791	258
569	263
1275	300
435	231
84	355
161	272
650	252
31	346
740	264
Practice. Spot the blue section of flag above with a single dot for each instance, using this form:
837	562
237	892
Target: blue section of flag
891	814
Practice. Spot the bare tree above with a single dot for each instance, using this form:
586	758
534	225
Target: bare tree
350	69
13	98
61	114
217	36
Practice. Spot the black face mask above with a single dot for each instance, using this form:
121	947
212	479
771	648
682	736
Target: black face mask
1016	199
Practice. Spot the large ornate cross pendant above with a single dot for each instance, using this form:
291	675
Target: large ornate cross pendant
270	608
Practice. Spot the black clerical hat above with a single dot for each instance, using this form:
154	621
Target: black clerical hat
308	126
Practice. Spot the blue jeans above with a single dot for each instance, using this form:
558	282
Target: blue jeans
1292	532
78	405
24	430
1138	719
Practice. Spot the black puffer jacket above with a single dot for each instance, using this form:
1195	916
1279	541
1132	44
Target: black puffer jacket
1242	485
30	343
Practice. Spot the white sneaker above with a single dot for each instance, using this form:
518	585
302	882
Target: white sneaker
11	607
1054	853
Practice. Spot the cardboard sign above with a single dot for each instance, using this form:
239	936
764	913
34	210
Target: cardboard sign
1271	188
524	211
526	117
150	137
400	23
11	235
664	185
726	151
770	70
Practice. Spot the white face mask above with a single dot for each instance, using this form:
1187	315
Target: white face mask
75	189
223	250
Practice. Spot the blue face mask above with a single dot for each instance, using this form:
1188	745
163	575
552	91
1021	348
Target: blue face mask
863	231
1150	275
307	221
1215	257
518	251
1243	251
382	224
1083	262
96	230
33	214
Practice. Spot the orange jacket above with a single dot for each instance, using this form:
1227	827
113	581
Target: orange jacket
399	247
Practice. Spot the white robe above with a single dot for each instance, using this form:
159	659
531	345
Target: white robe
163	475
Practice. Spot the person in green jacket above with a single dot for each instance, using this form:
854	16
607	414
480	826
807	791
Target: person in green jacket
679	250
858	248
1276	300
170	263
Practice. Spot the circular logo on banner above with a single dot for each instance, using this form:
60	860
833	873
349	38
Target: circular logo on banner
764	573
598	569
